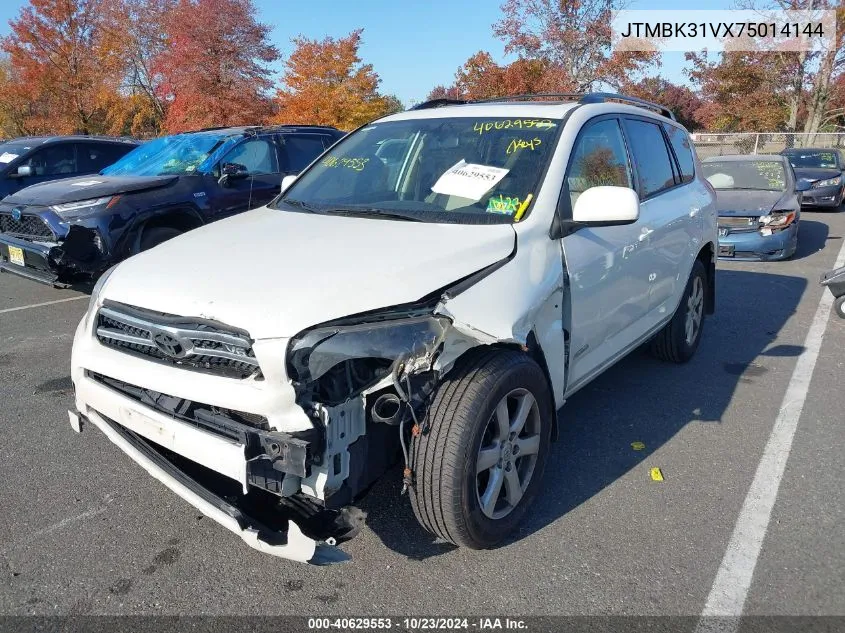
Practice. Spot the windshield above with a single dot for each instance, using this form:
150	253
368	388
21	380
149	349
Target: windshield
171	155
824	160
11	151
463	170
747	174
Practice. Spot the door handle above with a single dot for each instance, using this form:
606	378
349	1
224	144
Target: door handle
645	233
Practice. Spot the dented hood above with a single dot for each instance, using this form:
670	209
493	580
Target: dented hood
732	202
85	188
275	273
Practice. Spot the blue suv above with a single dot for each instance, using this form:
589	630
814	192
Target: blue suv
73	229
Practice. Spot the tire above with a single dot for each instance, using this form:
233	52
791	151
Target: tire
839	306
156	235
673	343
462	419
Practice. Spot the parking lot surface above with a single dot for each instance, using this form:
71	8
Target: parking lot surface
83	530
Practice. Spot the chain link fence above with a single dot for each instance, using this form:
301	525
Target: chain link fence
707	144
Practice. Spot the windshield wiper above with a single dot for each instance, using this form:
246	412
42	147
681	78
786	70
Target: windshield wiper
369	212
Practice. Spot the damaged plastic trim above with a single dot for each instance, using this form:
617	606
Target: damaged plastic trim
293	545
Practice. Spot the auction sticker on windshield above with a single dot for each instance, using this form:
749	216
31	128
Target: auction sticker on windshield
8	157
468	180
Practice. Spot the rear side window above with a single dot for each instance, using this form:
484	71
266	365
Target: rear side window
96	156
598	159
53	160
301	149
683	151
651	156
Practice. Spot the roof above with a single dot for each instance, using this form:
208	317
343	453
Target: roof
798	150
552	106
738	158
263	129
40	140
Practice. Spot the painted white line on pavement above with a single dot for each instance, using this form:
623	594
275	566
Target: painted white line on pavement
733	580
46	303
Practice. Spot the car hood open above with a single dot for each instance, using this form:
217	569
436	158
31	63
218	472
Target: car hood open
85	188
275	273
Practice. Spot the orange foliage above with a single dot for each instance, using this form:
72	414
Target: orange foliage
326	83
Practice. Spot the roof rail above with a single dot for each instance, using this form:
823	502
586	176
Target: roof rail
581	97
602	97
438	103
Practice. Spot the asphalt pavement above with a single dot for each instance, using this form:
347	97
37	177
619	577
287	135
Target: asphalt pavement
83	530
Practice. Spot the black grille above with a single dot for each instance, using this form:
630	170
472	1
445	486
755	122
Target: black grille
132	330
29	227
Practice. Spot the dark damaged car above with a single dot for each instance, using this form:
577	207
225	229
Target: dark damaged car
823	169
73	229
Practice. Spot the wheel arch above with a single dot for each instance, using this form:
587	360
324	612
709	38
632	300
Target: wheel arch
707	256
181	218
533	350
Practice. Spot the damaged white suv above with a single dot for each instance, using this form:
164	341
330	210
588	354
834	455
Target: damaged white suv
428	293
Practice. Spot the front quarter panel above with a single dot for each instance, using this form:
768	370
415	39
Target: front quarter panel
522	298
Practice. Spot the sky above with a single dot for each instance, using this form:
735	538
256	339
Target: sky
413	45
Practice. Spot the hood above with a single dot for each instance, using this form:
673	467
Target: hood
275	273
746	203
815	173
85	188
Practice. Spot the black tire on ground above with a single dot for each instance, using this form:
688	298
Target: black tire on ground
156	235
673	343
839	306
464	418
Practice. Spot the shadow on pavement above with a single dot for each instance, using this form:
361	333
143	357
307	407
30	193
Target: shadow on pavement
599	423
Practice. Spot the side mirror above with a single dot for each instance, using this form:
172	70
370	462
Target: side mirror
231	171
606	206
803	185
22	172
287	181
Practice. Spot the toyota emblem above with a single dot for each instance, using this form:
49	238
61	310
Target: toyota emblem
169	345
16	213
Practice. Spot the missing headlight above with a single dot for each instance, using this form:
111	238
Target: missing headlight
335	363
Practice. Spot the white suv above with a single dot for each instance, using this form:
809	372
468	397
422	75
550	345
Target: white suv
428	292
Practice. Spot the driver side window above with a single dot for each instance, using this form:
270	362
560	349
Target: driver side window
598	159
258	155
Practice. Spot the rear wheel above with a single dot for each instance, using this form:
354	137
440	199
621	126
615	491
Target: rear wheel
679	338
156	235
479	466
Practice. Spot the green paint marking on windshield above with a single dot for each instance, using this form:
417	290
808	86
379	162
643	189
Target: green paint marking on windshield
355	164
507	124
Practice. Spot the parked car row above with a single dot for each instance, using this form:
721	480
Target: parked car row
92	202
429	290
760	198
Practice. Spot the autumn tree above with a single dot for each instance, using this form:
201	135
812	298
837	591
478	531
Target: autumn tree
327	83
741	91
683	102
61	66
560	45
135	30
214	69
571	39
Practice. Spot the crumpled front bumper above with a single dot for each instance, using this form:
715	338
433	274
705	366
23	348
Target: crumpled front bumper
148	436
822	197
293	544
36	266
751	246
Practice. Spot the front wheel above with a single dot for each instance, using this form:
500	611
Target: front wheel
679	338
156	235
479	466
839	306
